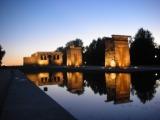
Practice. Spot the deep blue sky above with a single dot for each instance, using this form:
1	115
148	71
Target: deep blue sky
27	26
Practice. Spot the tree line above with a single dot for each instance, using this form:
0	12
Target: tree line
143	50
2	53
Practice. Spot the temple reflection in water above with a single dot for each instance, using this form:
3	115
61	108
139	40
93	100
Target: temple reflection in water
105	95
115	86
118	87
75	82
45	78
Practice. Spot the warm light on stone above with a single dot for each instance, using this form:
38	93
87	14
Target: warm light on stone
39	78
112	63
116	54
57	78
74	56
45	78
44	58
117	51
112	76
118	87
75	81
42	62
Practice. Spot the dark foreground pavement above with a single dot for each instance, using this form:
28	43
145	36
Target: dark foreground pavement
22	100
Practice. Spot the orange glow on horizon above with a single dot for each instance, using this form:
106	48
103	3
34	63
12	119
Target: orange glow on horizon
12	61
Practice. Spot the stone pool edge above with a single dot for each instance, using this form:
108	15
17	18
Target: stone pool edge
24	100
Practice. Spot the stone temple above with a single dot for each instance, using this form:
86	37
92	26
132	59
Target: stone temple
73	58
44	58
116	54
117	51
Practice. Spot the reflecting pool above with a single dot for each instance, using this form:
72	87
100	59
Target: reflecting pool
101	96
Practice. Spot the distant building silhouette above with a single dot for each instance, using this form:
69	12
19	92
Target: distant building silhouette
117	51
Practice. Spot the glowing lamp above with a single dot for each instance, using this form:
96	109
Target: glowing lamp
113	63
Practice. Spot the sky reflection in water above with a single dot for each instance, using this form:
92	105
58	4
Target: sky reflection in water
103	95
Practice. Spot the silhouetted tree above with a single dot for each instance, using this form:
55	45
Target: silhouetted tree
2	53
142	49
77	43
144	85
60	49
95	52
96	81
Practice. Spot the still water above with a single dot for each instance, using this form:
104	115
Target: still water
101	96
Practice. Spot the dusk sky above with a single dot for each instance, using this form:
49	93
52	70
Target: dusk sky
28	26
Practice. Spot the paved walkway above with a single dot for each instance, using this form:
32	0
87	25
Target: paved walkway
22	100
5	81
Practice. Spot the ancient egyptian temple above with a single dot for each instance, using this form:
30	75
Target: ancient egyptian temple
73	55
117	51
116	54
44	58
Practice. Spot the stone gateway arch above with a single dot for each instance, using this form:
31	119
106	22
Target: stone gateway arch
117	51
